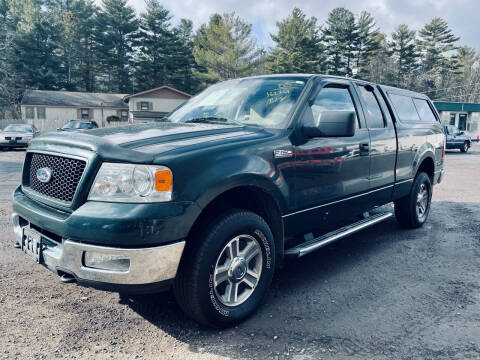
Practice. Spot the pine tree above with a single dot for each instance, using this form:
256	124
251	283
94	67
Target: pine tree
403	48
366	44
35	56
340	36
183	78
117	29
381	67
11	86
297	45
75	47
436	39
155	59
225	49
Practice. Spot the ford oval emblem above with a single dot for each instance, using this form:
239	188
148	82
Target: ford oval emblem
44	175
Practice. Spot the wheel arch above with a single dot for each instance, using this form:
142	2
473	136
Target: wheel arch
248	197
427	165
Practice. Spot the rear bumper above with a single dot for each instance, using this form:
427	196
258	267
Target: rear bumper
149	268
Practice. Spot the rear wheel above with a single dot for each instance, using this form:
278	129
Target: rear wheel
225	274
465	147
412	210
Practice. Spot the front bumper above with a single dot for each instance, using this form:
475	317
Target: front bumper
18	143
150	268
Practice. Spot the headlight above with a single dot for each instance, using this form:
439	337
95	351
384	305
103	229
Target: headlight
132	183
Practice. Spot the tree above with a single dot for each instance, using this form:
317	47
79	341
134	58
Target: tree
117	29
366	44
155	53
297	45
436	39
403	48
463	84
184	78
75	46
10	82
35	54
225	49
340	35
381	67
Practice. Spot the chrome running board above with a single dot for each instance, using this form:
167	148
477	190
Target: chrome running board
314	244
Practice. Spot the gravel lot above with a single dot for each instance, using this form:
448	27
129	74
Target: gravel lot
385	293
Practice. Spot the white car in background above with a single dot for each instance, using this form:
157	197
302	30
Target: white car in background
17	135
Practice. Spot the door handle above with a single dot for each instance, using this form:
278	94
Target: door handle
364	148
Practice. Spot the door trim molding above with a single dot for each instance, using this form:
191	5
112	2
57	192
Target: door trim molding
337	201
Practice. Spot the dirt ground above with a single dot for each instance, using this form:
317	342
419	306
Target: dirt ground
384	293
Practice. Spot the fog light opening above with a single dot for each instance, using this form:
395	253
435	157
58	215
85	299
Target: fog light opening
101	261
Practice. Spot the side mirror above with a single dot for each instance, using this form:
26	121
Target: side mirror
329	124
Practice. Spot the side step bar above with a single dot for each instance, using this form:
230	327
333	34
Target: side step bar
321	241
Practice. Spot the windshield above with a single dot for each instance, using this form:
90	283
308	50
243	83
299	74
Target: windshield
76	125
18	128
256	101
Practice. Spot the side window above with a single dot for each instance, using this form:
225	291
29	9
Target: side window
332	99
374	115
404	106
424	110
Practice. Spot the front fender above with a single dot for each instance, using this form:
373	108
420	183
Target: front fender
236	171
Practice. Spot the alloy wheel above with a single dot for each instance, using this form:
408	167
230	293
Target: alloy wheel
238	270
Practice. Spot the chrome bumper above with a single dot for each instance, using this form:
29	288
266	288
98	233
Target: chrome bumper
147	265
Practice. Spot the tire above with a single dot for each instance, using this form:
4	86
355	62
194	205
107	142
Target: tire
408	209
195	288
465	147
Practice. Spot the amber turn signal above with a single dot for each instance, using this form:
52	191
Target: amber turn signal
163	180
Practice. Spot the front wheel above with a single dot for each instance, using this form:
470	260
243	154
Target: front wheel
465	147
412	210
225	273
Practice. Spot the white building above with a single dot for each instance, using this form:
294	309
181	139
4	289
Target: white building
465	116
155	103
49	110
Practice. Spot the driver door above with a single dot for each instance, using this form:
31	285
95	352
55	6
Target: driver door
332	173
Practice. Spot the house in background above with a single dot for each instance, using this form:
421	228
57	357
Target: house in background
154	104
465	116
49	110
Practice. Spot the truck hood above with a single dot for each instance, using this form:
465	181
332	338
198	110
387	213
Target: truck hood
143	143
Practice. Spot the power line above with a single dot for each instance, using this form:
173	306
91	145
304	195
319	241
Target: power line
453	87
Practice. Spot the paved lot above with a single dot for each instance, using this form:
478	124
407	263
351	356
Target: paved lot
385	293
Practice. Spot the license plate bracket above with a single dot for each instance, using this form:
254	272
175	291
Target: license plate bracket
32	244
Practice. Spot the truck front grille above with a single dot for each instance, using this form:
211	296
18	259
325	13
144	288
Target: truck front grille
66	174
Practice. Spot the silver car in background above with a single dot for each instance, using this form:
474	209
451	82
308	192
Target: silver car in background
17	135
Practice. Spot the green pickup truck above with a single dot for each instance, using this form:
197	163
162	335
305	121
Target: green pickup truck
213	198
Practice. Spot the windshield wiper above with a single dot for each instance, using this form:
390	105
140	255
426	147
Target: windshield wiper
212	120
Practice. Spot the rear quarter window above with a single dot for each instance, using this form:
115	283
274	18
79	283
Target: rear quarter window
424	110
404	106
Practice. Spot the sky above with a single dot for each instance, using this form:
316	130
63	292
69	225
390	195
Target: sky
462	15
